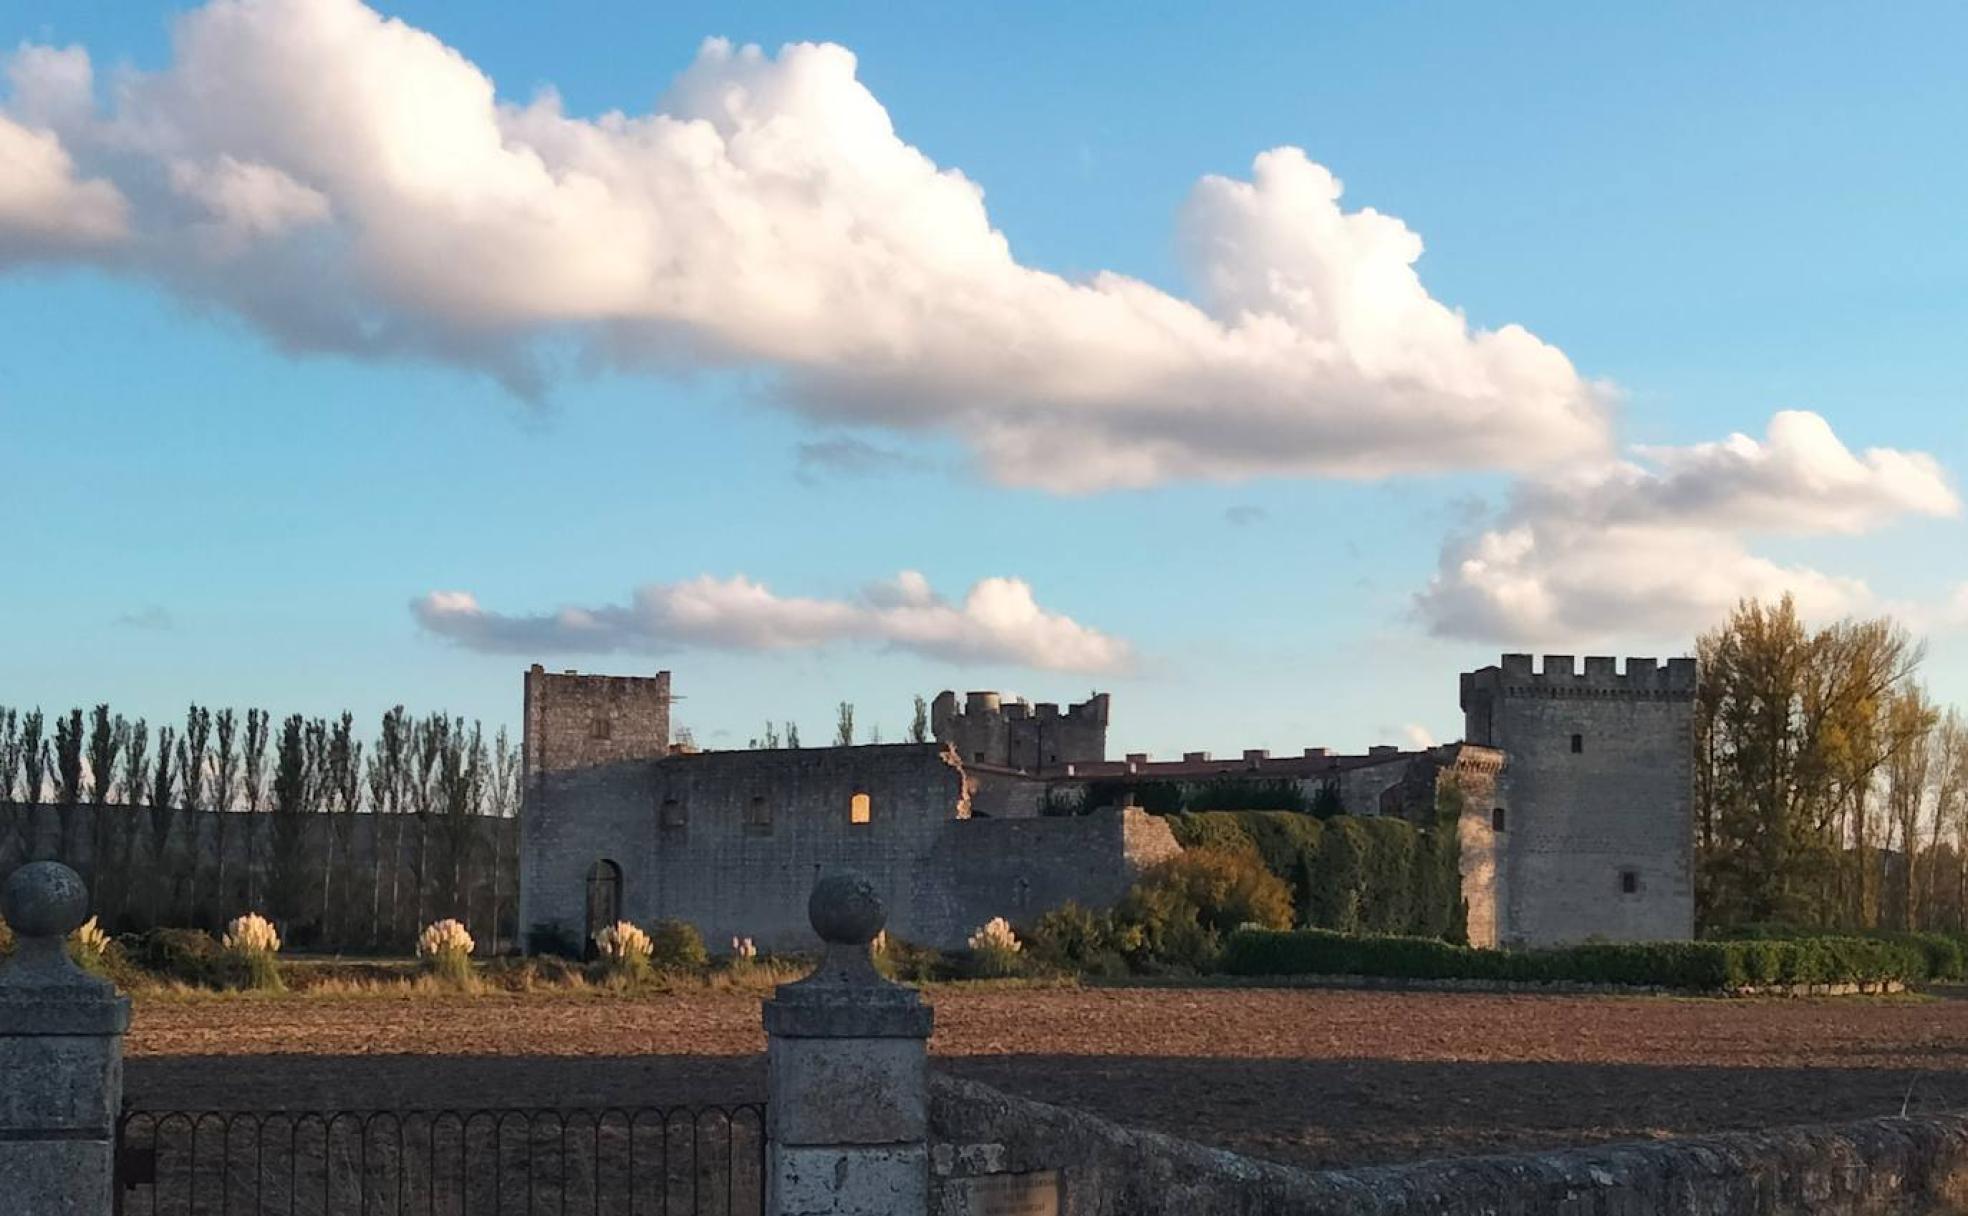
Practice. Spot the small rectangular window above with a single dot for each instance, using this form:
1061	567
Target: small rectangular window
601	728
673	814
1629	882
758	818
1496	820
1578	744
859	810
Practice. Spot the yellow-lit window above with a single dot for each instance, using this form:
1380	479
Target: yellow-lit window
858	809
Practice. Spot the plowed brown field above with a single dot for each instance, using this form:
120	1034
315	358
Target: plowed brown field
1311	1076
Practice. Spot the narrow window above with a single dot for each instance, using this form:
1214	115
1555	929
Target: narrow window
1629	882
1496	820
601	728
758	817
858	808
1578	744
673	815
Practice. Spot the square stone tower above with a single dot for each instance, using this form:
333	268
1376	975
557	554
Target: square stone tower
1594	821
575	721
581	811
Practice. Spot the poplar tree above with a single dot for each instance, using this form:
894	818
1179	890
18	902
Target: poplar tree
135	787
10	752
252	780
387	766
107	737
919	724
844	725
163	785
33	756
225	782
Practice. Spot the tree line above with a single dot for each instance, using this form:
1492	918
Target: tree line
290	803
1831	790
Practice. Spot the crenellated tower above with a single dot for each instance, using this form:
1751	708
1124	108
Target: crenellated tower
1594	822
1034	738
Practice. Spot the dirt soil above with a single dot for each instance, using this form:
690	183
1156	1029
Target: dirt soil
1314	1077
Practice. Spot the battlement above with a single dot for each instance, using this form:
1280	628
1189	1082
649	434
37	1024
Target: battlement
1018	734
1560	675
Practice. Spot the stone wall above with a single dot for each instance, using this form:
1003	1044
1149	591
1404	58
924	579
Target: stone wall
1864	1169
733	841
579	721
1597	794
385	875
1016	735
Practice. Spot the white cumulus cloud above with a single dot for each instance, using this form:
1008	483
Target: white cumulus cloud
1660	547
998	621
349	183
46	209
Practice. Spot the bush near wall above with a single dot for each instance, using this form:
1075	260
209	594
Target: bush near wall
1946	955
1350	875
1704	966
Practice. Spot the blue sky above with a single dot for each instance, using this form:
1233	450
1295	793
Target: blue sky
1722	214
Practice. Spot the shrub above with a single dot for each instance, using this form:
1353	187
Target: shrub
188	956
445	948
907	962
675	945
1942	956
89	946
995	951
252	941
1705	966
1176	915
546	937
1075	938
624	950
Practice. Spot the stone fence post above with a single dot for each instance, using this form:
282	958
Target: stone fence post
61	1055
847	1077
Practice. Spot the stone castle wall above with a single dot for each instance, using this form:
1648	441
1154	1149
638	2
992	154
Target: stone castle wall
580	721
1033	738
1597	792
733	841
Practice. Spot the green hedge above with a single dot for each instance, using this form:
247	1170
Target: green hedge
1705	966
1945	954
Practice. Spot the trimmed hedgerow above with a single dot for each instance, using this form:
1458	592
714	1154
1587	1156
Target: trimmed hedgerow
1706	966
1945	956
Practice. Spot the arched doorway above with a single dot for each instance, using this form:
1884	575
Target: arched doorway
604	901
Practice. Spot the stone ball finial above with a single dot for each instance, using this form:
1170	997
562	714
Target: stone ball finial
45	899
846	910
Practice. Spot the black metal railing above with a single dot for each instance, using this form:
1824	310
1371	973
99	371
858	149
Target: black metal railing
651	1161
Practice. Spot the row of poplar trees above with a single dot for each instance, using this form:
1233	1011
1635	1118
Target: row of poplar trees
297	789
1830	790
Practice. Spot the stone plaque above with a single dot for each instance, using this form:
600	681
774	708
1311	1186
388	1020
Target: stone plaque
1034	1194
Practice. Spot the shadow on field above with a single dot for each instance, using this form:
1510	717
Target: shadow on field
1309	1112
1354	1112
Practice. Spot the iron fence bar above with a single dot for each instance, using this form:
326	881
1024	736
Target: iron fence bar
191	1151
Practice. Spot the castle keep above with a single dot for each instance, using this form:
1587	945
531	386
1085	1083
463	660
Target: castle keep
1574	789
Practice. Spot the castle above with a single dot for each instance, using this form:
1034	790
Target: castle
1574	788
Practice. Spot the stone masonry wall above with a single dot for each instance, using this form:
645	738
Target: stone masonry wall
1581	825
1017	735
1875	1168
578	721
733	841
